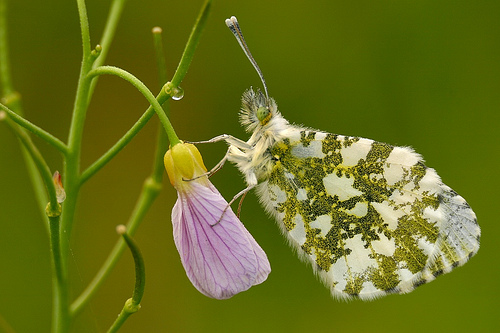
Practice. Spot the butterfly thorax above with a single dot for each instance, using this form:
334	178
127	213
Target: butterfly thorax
260	116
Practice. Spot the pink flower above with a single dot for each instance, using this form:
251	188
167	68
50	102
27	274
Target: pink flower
221	258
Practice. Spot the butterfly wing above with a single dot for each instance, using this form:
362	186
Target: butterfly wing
371	218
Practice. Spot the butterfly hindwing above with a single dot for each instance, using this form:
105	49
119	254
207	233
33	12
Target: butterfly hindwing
371	217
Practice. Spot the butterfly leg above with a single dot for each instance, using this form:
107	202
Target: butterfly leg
212	171
242	192
233	152
227	138
241	204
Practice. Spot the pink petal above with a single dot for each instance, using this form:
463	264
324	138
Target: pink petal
220	259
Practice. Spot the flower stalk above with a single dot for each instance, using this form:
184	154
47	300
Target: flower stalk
132	305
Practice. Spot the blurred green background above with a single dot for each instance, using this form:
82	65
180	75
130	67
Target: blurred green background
419	73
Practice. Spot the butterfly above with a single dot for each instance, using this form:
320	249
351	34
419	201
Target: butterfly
371	218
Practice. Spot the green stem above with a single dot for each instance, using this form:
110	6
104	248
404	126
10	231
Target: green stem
55	247
41	165
161	148
161	138
84	28
44	135
132	305
38	185
194	38
159	55
140	270
60	287
61	317
144	91
81	99
114	15
150	191
127	311
72	165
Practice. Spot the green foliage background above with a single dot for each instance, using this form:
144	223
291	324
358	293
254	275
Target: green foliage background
423	73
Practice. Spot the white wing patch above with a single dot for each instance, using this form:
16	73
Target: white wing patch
355	152
372	218
342	186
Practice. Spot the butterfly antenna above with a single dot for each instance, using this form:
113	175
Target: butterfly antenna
232	24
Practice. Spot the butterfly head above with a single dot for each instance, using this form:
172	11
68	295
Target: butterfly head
257	110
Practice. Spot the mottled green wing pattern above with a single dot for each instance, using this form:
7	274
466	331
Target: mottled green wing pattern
372	218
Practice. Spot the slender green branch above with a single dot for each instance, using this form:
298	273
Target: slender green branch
150	191
124	140
161	138
140	271
191	45
161	148
127	310
132	305
73	156
159	55
114	15
145	92
44	135
84	28
60	311
38	186
81	99
55	247
42	166
79	114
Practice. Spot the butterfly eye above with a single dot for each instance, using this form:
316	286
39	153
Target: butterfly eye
264	115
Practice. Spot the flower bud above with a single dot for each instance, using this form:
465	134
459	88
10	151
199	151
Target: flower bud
183	162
